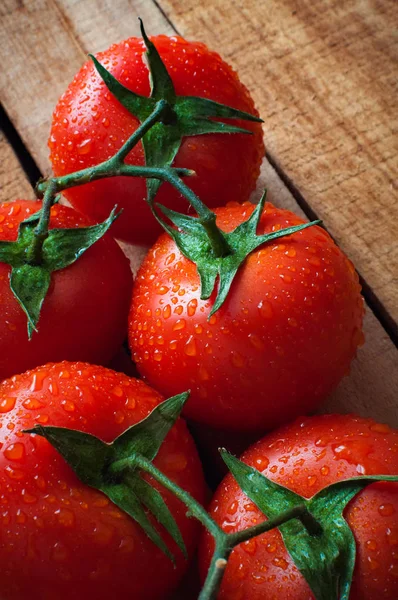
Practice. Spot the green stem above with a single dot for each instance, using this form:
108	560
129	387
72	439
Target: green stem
224	543
161	109
115	165
195	509
34	251
207	218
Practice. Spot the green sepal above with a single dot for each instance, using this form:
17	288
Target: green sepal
192	240
188	115
327	558
30	285
30	282
94	462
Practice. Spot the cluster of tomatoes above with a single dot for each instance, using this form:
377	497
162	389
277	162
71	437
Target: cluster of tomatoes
281	342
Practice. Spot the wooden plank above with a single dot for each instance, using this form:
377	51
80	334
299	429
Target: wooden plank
324	77
13	181
373	385
44	43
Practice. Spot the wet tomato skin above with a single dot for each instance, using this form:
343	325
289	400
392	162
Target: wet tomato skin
306	456
59	538
84	316
281	342
90	125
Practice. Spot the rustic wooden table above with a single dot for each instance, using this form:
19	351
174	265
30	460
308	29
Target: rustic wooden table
324	76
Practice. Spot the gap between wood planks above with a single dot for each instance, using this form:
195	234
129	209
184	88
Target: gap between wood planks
33	174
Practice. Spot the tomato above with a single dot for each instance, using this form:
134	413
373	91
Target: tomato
306	456
59	538
280	343
84	315
90	125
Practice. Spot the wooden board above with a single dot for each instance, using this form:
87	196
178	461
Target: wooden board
43	45
324	76
13	181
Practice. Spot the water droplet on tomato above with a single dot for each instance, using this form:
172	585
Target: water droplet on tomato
191	307
32	404
250	547
256	341
7	404
280	562
386	510
28	498
265	309
262	463
190	346
178	325
68	405
15	451
65	517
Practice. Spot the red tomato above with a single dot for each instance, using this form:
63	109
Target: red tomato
84	316
90	125
59	538
280	343
306	456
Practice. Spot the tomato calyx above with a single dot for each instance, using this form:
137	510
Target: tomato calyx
39	251
114	468
186	115
324	550
195	239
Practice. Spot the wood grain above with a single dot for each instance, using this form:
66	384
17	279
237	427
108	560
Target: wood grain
324	75
13	181
44	43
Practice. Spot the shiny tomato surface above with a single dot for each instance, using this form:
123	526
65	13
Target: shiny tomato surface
90	125
60	539
306	456
84	315
281	342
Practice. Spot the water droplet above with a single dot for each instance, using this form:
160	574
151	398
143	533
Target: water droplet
157	355
162	289
265	309
262	463
380	428
373	564
27	497
291	252
280	562
203	374
68	406
256	341
311	480
292	322
32	404
20	516
371	545
191	307
170	259
386	510
117	391
237	360
250	546
167	311
15	451
325	470
179	324
7	404
271	547
14	473
84	147
190	346
65	517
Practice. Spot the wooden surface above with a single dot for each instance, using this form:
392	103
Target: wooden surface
322	74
